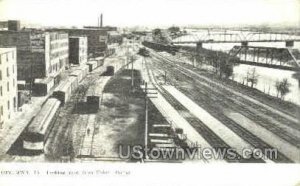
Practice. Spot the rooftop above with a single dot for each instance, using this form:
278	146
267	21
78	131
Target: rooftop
6	49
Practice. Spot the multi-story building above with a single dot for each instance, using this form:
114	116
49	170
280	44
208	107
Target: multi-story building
97	39
40	54
3	25
78	50
8	84
13	25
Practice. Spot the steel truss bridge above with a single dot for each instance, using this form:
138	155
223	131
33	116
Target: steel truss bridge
238	37
277	58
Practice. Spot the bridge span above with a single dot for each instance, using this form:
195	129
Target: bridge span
244	39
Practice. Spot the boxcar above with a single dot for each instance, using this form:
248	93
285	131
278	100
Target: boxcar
92	65
100	61
63	91
78	73
38	130
110	70
74	82
94	93
43	86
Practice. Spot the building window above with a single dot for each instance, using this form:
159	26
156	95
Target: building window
8	105
15	102
1	91
7	71
7	86
1	110
13	69
0	75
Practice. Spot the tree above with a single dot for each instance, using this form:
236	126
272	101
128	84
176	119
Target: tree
252	77
282	87
226	69
174	29
157	32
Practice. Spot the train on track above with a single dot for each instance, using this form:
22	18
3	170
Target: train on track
40	127
95	92
161	47
36	133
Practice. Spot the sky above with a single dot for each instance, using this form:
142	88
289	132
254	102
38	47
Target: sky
152	12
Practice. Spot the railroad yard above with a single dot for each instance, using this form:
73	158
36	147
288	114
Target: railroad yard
160	102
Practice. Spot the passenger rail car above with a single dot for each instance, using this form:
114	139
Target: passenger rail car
38	130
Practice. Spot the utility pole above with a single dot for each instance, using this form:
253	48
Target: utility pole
165	77
132	75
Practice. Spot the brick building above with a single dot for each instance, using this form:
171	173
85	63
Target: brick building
8	84
96	38
40	54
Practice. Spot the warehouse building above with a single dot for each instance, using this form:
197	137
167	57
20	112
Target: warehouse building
40	54
8	84
78	50
96	38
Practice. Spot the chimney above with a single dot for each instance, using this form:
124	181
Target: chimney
101	20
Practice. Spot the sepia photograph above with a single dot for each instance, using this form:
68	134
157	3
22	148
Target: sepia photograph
125	87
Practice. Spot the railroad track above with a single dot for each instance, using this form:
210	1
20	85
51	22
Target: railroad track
263	112
61	132
243	133
215	141
237	105
293	123
286	113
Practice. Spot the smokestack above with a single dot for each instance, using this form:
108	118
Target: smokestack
101	20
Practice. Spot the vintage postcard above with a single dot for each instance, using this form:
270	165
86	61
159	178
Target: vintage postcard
191	92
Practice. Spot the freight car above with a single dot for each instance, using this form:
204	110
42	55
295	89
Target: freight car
84	71
161	47
94	93
78	73
92	65
39	128
42	87
100	61
74	82
110	70
63	91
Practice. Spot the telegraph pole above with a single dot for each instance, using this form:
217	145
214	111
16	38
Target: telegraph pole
132	75
165	77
